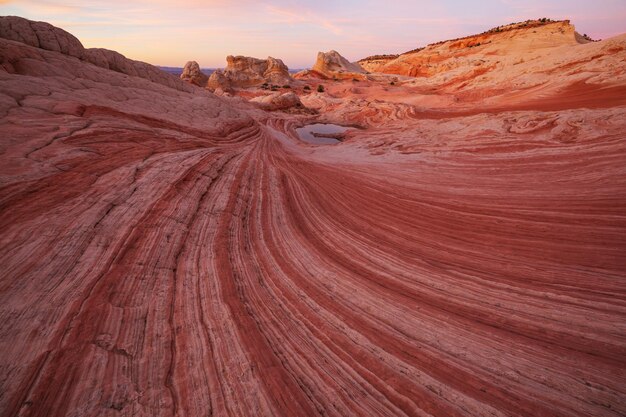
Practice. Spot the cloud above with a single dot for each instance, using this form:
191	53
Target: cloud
302	16
43	7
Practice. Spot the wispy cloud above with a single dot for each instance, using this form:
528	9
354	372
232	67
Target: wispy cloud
302	16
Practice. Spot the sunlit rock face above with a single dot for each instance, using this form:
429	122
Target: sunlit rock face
332	65
495	50
168	252
218	80
192	74
243	72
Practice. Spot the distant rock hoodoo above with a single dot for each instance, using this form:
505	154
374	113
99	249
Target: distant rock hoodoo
193	74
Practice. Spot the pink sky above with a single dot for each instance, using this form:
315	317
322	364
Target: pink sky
170	33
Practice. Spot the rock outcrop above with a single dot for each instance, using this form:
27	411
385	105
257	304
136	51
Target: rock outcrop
244	72
277	101
218	80
332	65
376	62
45	36
40	35
492	50
194	75
511	61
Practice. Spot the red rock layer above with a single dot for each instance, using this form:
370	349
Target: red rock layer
167	253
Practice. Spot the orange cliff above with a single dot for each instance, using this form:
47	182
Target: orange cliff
514	39
515	63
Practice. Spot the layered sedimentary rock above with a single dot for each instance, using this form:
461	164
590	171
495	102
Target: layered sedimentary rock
514	62
167	252
376	62
488	50
193	74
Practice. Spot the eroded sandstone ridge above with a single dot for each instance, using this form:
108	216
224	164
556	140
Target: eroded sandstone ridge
168	252
45	36
503	46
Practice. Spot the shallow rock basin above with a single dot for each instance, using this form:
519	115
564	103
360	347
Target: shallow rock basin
321	133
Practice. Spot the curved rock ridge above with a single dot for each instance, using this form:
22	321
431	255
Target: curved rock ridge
488	50
514	40
193	74
174	253
40	35
45	36
529	35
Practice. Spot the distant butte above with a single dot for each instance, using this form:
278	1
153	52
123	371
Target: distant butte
172	247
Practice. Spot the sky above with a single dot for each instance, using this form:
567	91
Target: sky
171	33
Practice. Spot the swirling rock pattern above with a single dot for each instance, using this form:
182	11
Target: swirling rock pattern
173	253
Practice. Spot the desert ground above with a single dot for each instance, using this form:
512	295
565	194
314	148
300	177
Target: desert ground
172	247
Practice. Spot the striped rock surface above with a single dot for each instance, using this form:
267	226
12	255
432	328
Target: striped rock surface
172	253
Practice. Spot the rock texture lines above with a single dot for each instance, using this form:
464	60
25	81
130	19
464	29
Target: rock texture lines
167	252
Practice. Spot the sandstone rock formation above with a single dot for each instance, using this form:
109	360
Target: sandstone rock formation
218	80
332	65
332	61
376	62
243	72
486	50
277	101
41	35
512	63
193	74
45	36
166	252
